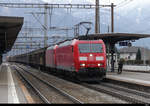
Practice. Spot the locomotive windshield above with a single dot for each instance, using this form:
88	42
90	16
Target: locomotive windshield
90	48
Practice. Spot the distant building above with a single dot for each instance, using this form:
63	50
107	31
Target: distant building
129	53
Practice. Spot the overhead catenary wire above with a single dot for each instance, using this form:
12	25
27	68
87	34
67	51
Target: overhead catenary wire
17	5
123	4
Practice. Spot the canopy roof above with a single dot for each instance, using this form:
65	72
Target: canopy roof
115	37
9	29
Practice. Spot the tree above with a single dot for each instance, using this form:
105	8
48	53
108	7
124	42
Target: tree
138	55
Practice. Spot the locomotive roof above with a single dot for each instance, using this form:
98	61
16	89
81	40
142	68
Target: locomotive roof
71	42
66	43
51	47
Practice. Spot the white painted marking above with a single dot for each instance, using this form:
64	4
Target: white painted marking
142	82
12	94
136	68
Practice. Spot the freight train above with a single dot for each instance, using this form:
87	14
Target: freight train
83	59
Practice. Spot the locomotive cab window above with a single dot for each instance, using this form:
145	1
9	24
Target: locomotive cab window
90	48
96	48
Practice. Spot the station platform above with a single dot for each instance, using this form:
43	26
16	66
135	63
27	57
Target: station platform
137	78
11	89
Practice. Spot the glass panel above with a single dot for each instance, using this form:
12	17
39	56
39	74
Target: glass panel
90	48
96	48
84	48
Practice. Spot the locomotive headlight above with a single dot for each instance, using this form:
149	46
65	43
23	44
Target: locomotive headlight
83	58
91	54
99	58
82	65
99	64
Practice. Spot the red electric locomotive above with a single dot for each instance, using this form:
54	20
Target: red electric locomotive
86	59
51	57
83	59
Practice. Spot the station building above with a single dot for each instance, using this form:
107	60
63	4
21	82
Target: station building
129	53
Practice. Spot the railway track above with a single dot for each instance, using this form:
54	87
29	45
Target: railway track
125	94
44	89
129	95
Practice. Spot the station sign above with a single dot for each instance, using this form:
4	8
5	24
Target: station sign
125	44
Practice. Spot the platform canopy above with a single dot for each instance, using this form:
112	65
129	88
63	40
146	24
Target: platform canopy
9	29
113	38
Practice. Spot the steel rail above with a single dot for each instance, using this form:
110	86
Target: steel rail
146	95
37	91
73	99
115	94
